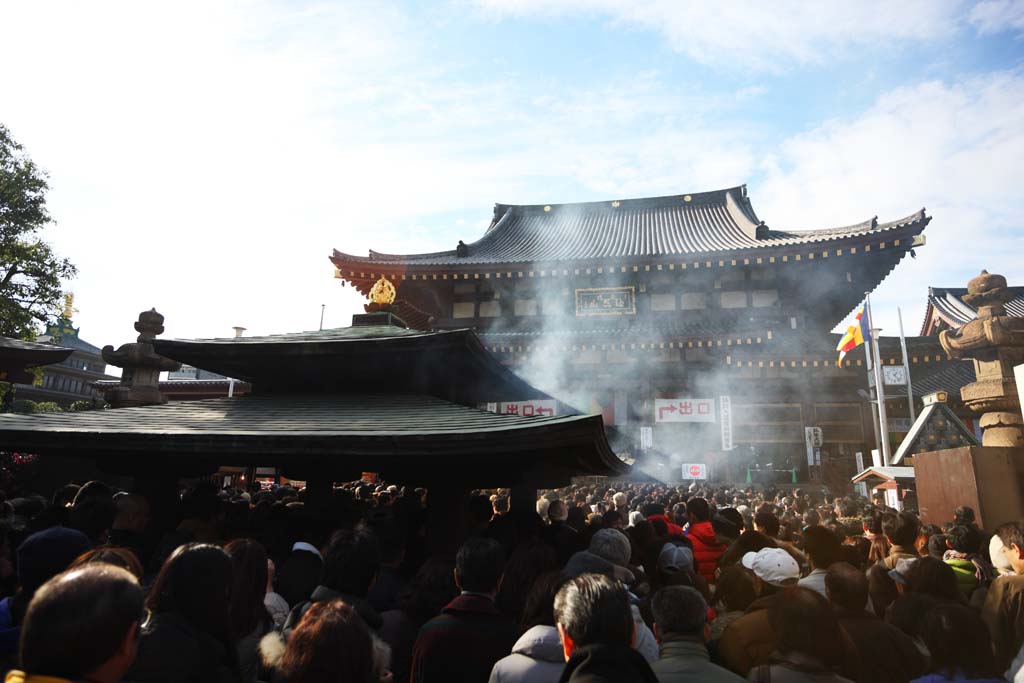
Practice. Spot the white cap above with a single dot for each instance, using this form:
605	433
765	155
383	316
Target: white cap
773	565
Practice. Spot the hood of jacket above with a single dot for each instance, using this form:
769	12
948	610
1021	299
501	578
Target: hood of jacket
600	663
705	533
540	642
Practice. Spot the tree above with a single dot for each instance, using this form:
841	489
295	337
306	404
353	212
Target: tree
30	272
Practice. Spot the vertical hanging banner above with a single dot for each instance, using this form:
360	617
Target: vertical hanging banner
684	410
725	419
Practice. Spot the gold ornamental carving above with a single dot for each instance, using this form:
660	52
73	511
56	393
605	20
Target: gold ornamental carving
383	292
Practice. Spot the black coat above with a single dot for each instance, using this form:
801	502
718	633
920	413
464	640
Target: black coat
607	664
171	651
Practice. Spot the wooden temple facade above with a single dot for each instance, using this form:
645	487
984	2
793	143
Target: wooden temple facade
686	321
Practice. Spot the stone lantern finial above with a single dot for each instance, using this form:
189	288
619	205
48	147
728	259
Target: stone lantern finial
995	342
141	365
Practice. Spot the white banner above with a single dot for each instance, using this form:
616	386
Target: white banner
725	415
695	471
539	408
684	410
646	438
862	487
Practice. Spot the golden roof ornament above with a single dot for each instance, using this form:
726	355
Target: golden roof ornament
383	292
69	306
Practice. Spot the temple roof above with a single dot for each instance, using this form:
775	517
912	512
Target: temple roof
708	222
368	357
16	355
947	308
403	435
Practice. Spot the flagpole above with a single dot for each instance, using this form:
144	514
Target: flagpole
906	370
883	420
874	411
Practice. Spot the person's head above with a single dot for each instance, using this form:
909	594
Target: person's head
83	625
500	505
558	511
47	553
933	577
479	566
620	499
611	545
612	520
959	642
351	561
879	549
734	590
963	515
900	528
92	490
963	538
805	624
593	609
821	546
698	510
431	589
539	609
1012	536
937	546
812	518
249	569
132	512
195	584
766	523
331	643
847	587
680	613
542	508
119	557
773	568
93	516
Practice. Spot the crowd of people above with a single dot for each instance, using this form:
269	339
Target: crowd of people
597	582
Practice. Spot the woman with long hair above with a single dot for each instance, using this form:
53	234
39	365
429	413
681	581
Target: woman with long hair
250	620
330	644
187	637
108	554
960	646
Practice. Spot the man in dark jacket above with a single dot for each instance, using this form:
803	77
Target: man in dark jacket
887	654
1003	611
595	625
351	562
470	635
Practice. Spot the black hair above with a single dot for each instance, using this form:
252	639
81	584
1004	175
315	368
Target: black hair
699	509
934	577
768	522
1011	534
594	609
351	561
78	620
538	609
195	583
901	528
479	564
680	611
847	586
822	546
806	623
735	589
653	509
963	538
963	515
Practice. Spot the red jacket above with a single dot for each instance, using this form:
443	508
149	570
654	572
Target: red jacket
706	550
673	529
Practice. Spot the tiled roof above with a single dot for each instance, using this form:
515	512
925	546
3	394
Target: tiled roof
26	353
695	328
719	221
948	304
363	428
950	379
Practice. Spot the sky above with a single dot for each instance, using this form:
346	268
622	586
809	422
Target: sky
206	156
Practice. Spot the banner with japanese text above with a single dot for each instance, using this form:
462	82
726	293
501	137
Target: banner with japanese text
684	410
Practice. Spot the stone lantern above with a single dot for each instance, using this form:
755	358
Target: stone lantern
141	365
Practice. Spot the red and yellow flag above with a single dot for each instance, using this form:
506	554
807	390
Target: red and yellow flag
856	335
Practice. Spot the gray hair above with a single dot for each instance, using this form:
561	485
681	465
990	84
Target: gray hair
680	610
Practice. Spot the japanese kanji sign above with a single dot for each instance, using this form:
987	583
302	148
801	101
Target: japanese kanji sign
606	301
684	410
725	406
546	408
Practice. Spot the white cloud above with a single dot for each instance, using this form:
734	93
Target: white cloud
764	36
954	148
996	16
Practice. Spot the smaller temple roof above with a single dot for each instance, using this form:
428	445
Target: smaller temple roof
16	355
706	222
884	474
376	354
946	306
403	435
936	428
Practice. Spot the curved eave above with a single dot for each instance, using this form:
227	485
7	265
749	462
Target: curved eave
780	242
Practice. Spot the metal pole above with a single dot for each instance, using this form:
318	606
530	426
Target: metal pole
883	420
906	370
322	307
871	403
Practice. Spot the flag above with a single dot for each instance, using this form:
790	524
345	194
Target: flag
856	335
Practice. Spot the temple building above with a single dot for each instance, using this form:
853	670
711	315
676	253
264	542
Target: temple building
697	330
